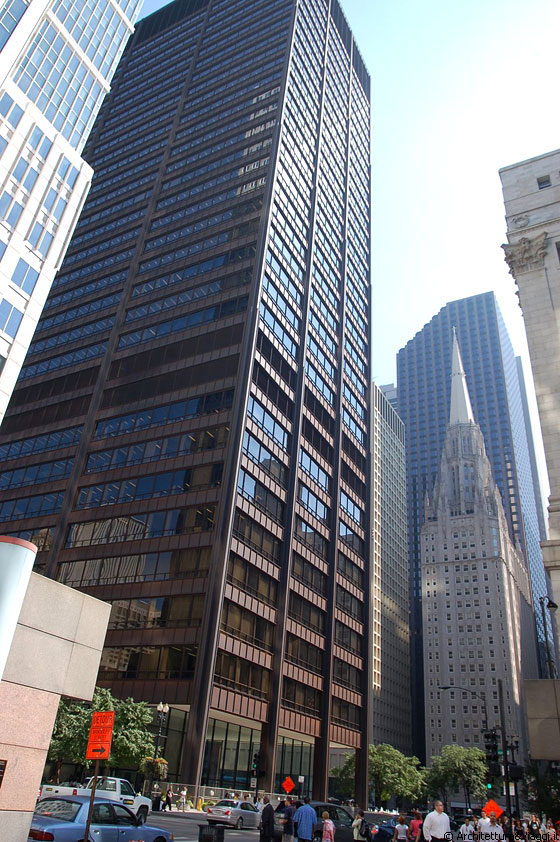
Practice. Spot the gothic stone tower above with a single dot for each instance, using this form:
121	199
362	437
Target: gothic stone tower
477	617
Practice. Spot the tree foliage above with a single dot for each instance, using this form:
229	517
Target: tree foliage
132	740
69	736
542	788
394	774
391	772
457	768
343	778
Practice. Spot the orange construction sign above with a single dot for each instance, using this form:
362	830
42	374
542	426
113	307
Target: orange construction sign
492	807
100	735
288	784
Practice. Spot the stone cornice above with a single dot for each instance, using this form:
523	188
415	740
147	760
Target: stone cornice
525	255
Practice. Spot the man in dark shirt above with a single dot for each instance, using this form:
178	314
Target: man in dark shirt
267	821
289	810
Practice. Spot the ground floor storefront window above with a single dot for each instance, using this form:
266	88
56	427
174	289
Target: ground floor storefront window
228	755
294	759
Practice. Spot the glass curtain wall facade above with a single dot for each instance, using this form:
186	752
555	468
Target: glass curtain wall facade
57	60
423	400
198	389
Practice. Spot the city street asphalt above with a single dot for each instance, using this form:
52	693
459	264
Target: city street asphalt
184	827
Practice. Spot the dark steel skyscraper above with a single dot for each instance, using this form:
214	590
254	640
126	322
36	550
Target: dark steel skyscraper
194	411
423	367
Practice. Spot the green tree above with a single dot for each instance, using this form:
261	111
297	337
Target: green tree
132	741
69	736
458	768
391	772
542	789
342	778
437	784
394	774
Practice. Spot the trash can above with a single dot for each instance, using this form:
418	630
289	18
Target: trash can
156	803
210	833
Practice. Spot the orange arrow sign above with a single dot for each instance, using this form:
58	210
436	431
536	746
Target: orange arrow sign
100	735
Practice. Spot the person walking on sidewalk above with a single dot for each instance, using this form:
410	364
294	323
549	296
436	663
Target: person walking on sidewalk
328	827
494	832
467	831
483	823
267	821
305	819
183	798
289	812
169	798
436	824
414	827
401	831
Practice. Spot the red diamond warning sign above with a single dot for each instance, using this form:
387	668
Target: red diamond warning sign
288	785
492	807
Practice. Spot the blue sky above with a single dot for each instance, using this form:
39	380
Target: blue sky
459	89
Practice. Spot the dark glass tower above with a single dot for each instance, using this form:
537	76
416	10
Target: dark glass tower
193	416
423	367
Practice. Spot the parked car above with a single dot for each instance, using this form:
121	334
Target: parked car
341	817
113	789
385	830
63	818
233	813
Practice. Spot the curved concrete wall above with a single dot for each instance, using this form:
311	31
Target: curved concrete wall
16	563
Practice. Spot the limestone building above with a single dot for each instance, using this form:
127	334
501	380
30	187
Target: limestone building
496	391
477	607
532	200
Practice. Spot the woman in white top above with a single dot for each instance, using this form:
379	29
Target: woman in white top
183	798
401	831
356	825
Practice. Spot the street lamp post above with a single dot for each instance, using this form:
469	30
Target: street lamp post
514	745
162	711
545	601
473	693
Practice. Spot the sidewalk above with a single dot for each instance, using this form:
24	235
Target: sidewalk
187	812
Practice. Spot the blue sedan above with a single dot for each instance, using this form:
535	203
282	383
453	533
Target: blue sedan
63	819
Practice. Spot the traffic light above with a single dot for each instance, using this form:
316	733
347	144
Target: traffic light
256	762
492	760
516	772
491	746
492	786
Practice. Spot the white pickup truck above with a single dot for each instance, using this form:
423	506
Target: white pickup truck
115	789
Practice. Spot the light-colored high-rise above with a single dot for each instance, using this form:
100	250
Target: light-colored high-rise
532	201
57	58
391	615
477	617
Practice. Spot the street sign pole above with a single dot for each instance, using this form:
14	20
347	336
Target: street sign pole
91	800
98	748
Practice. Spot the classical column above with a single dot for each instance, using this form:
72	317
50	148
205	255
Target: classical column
533	266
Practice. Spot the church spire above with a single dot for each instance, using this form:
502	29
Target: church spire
461	410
